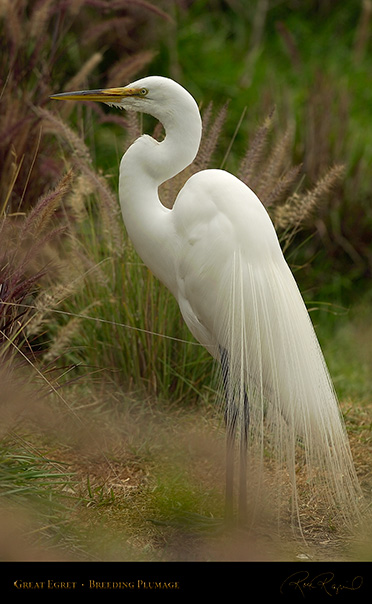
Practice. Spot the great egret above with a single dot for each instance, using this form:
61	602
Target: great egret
218	253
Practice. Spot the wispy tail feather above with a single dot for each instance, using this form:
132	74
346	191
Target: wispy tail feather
275	358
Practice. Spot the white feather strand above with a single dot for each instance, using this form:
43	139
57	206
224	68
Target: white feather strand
274	355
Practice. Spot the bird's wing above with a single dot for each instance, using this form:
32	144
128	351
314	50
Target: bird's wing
236	292
215	217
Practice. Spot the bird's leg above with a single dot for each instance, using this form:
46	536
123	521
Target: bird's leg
230	422
231	417
242	505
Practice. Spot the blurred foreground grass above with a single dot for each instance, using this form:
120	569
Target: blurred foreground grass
96	473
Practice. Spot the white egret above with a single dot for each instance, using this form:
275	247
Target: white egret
218	253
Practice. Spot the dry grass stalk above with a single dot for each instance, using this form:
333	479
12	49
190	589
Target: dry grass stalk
66	334
211	134
299	207
47	301
268	177
283	186
249	166
144	4
109	209
79	81
76	201
122	71
38	220
80	261
24	257
132	126
96	32
39	18
363	30
59	127
14	26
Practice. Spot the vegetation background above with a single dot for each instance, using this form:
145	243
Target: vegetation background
111	439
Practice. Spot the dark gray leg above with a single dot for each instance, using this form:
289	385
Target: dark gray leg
230	422
231	411
242	507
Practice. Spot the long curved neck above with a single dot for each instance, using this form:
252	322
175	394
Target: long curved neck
144	167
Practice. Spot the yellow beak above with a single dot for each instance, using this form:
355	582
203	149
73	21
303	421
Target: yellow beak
105	95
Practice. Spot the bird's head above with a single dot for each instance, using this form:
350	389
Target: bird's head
148	95
158	96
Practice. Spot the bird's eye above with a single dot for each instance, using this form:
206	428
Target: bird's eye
143	91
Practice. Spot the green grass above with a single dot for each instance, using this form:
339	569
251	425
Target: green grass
26	473
345	339
119	319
